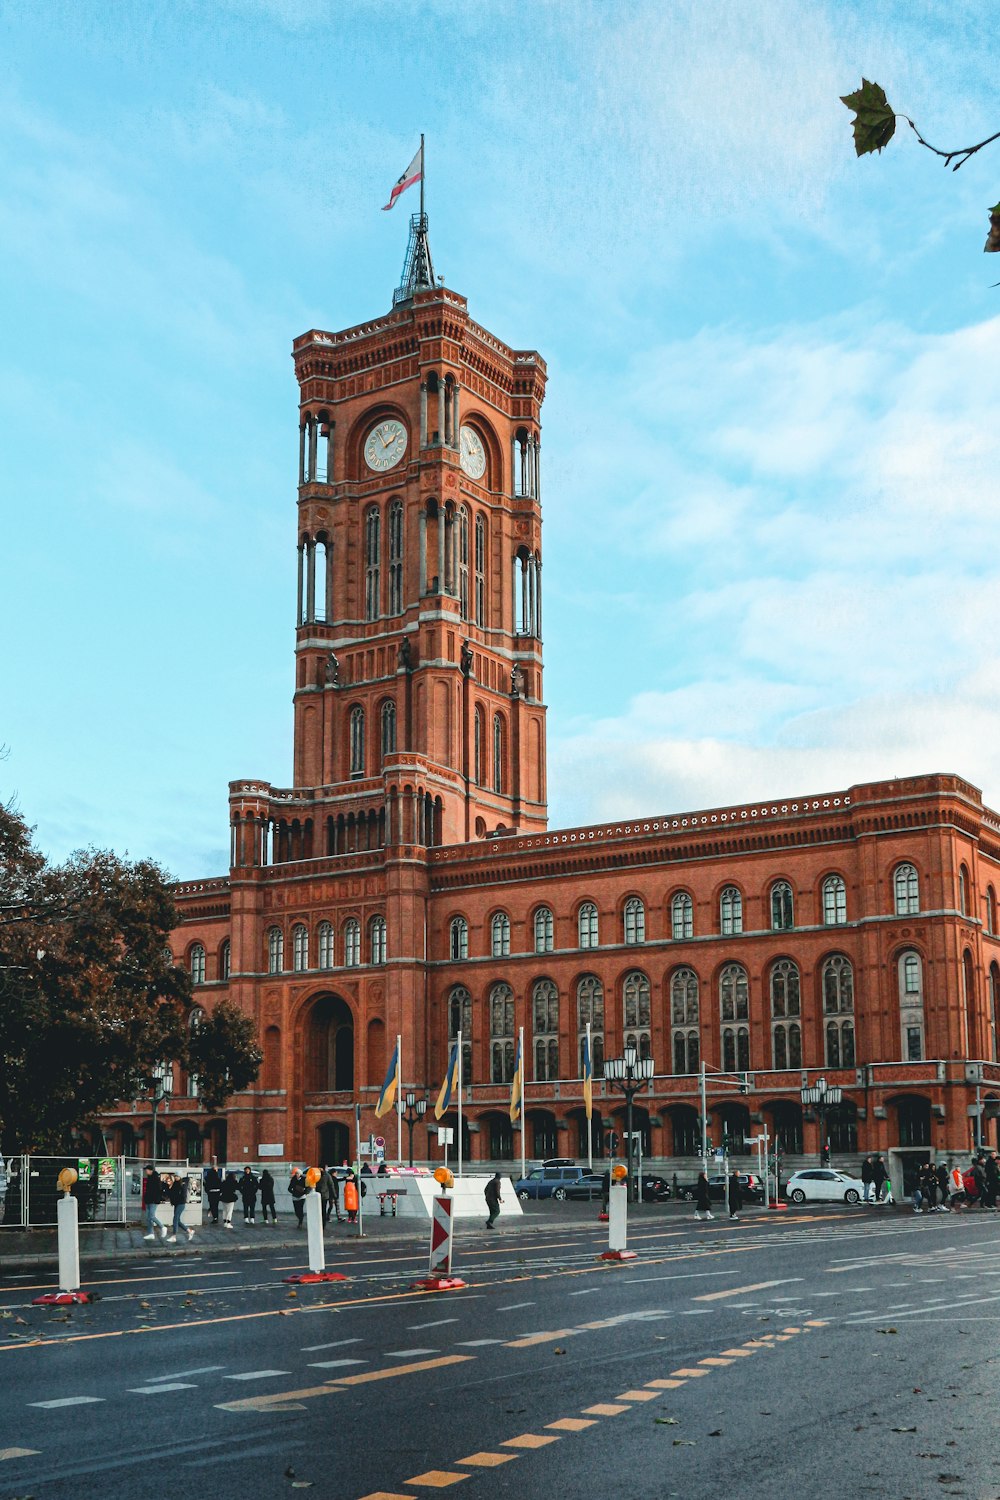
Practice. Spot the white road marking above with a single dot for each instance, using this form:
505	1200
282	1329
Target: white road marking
334	1364
405	1353
157	1390
586	1291
183	1374
337	1344
477	1343
438	1323
513	1306
67	1401
19	1453
257	1375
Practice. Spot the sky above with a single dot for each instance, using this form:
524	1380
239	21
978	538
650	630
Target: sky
770	440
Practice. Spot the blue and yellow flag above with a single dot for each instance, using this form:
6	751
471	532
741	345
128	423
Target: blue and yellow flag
391	1086
588	1076
517	1086
444	1097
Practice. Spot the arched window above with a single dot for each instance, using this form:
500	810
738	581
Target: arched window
545	1029
731	911
458	939
460	1020
587	925
991	911
786	1034
500	935
543	930
197	964
635	921
906	887
357	741
590	1010
373	547
396	558
838	1007
275	950
734	1007
388	729
994	1017
300	947
681	916
195	1020
782	913
477	748
324	938
480	570
501	1034
684	1021
225	958
462	538
352	942
376	940
499	756
963	890
636	1012
911	1005
834	901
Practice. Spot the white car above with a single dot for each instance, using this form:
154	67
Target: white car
823	1185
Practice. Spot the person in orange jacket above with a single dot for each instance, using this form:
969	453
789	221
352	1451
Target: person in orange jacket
351	1199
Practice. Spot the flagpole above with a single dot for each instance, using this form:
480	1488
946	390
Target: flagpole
459	1069
423	174
590	1123
399	1099
520	1049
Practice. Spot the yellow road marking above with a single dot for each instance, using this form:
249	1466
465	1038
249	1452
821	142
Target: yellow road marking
269	1403
18	1453
791	1330
411	1368
783	1337
604	1409
571	1424
665	1385
738	1353
636	1396
735	1291
337	1387
487	1460
385	1495
757	1344
689	1374
542	1338
816	1323
715	1360
529	1440
438	1479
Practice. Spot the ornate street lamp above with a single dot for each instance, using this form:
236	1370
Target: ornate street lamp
161	1086
415	1110
629	1074
822	1097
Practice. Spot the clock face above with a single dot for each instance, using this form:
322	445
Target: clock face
385	445
473	453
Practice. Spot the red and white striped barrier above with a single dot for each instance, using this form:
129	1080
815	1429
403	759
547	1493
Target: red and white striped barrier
439	1277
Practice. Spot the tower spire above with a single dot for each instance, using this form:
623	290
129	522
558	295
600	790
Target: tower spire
418	267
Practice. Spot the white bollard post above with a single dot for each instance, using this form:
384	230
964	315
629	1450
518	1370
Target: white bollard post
314	1228
68	1221
618	1221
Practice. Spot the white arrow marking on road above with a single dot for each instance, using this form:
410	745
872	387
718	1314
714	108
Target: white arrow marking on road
438	1323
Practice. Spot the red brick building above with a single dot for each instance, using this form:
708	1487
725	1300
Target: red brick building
406	882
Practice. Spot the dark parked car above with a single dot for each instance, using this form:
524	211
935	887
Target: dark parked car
751	1186
655	1189
548	1182
587	1187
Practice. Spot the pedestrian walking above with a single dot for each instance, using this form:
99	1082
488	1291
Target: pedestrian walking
351	1198
325	1189
605	1192
178	1195
267	1197
929	1186
956	1186
735	1195
880	1177
227	1198
867	1177
297	1193
152	1196
944	1187
917	1195
491	1192
703	1198
991	1171
213	1189
249	1187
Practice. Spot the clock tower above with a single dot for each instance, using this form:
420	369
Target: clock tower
419	713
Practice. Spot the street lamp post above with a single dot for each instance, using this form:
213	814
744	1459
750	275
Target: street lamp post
415	1110
161	1086
629	1074
822	1097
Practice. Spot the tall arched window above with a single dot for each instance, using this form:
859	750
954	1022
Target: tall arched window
906	888
543	930
275	950
731	911
197	964
636	1012
545	1029
834	901
501	1034
396	558
462	539
991	911
458	938
684	1021
911	1005
480	570
373	548
734	1008
376	940
352	942
500	935
499	755
681	916
590	1009
635	921
460	1020
195	1020
388	729
994	1017
786	1033
225	958
782	913
477	748
324	939
300	947
357	741
587	925
838	1008
963	890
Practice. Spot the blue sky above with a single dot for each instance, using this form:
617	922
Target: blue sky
771	436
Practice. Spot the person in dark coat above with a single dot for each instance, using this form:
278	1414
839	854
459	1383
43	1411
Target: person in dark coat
944	1187
267	1196
177	1193
703	1198
297	1193
491	1192
992	1172
735	1195
880	1177
152	1196
867	1177
605	1191
249	1187
326	1193
228	1196
213	1189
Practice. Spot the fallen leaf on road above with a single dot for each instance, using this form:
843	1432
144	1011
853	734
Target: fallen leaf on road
684	1443
716	1433
301	1484
887	1330
904	1429
930	1455
666	1421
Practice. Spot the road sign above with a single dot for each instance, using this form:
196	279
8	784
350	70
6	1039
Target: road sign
446	1135
380	1143
440	1261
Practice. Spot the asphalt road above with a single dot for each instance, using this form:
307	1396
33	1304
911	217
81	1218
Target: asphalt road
846	1352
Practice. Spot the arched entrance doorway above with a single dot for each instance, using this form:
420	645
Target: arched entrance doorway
334	1144
544	1136
329	1046
596	1127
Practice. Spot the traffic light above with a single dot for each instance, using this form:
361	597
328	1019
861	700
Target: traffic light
612	1141
746	1082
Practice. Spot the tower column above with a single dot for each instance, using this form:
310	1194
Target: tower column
538	597
423	550
298	606
311	580
513	466
302	453
525	614
313	432
329	452
455	429
441	584
329	579
440	409
423	414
